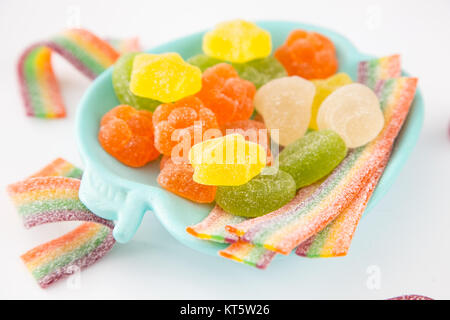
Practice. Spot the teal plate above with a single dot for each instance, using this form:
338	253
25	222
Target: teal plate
117	192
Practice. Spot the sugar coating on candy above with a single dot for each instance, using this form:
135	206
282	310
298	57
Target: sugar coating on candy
164	77
353	111
121	76
312	157
248	254
259	71
237	41
227	161
213	226
323	89
175	124
285	104
263	194
252	130
127	135
50	198
177	178
308	54
227	95
286	231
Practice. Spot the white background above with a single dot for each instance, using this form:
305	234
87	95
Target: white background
405	239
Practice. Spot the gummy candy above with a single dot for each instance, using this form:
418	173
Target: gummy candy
127	135
203	62
227	161
173	121
254	131
263	194
259	71
312	157
237	41
323	90
354	112
121	82
285	104
227	95
164	77
177	178
308	54
290	229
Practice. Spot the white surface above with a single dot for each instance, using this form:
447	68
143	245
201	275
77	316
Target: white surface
405	239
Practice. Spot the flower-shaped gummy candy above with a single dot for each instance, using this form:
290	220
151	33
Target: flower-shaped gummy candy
227	95
127	135
164	77
227	161
237	41
121	82
176	125
308	54
177	178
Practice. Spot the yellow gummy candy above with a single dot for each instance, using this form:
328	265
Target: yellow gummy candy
164	77
237	41
227	161
323	89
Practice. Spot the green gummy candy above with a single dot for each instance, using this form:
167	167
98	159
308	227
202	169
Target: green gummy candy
263	194
203	61
121	82
259	71
313	156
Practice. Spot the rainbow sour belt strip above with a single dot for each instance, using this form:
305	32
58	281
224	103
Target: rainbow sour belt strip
54	198
213	226
39	86
249	254
286	231
335	239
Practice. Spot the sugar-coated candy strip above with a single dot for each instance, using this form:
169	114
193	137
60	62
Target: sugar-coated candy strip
59	167
335	239
213	226
369	72
304	193
249	254
39	86
286	231
50	198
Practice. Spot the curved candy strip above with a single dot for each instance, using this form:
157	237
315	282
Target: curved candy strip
52	198
286	231
39	87
213	226
248	253
125	45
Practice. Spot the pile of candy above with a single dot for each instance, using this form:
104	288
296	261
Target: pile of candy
335	135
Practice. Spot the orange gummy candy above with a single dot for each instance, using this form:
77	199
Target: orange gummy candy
127	135
252	130
227	95
177	178
308	54
173	120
